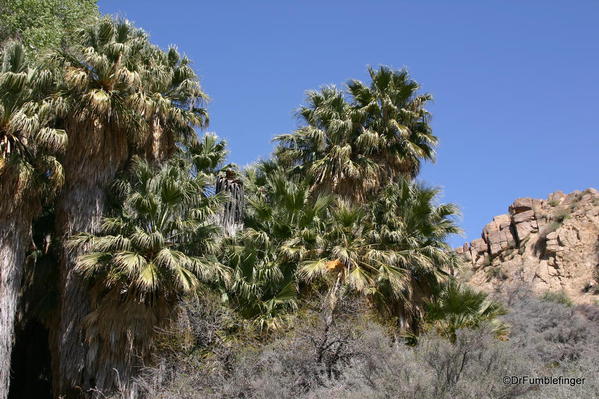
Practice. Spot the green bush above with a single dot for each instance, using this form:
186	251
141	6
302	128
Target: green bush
561	215
496	272
557	297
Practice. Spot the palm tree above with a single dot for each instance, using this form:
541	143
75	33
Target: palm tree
282	227
456	307
392	251
351	145
29	173
159	246
229	183
327	149
122	96
393	116
172	99
208	154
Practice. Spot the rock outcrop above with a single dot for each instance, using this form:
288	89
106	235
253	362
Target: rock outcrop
548	244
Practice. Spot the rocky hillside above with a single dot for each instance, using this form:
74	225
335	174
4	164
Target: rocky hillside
550	244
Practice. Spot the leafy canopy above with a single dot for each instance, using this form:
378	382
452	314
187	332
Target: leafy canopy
161	241
282	228
44	24
391	251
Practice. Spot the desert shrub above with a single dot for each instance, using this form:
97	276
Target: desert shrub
551	332
496	272
466	274
557	297
354	358
366	362
550	228
590	312
473	367
561	215
310	357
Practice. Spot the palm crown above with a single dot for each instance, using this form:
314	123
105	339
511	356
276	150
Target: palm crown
159	239
394	121
353	144
29	142
118	80
456	307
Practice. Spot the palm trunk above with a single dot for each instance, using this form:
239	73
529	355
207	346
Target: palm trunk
14	233
159	146
231	215
332	299
94	156
80	210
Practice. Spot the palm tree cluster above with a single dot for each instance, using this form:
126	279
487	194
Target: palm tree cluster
159	246
100	134
123	96
370	229
69	125
283	227
391	251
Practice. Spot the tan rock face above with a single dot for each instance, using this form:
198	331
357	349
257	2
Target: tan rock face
550	245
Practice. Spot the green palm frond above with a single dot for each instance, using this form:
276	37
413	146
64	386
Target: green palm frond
129	263
458	307
148	278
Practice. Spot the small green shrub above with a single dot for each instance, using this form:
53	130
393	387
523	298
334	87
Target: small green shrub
496	272
550	228
561	215
557	297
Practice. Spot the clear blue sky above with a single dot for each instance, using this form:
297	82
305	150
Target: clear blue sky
516	83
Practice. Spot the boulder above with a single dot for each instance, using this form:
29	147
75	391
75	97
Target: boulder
593	191
478	246
523	230
521	205
525	216
498	234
